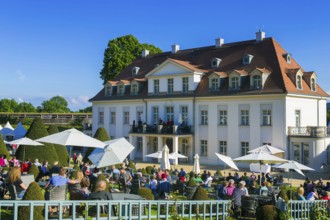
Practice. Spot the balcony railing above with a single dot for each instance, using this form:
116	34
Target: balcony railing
309	131
161	129
125	209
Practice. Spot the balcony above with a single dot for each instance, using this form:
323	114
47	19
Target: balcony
309	131
160	129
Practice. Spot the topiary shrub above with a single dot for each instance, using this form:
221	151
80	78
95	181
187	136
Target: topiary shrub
101	134
145	193
144	172
267	212
218	173
32	193
200	194
3	148
149	169
45	152
191	174
131	165
63	156
191	183
99	178
34	170
190	188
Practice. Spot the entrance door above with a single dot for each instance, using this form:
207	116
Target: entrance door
169	143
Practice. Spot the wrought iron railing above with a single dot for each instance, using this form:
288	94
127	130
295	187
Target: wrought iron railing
161	129
309	131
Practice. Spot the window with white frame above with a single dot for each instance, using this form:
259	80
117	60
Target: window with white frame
214	84
108	90
139	115
134	89
204	117
266	117
184	115
184	146
139	143
256	81
313	84
155	145
112	117
223	147
169	113
101	118
126	117
299	85
204	148
170	85
244	117
245	148
155	114
121	89
222	117
156	86
185	85
234	82
297	118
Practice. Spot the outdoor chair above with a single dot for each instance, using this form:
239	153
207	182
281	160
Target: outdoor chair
12	192
135	186
248	206
57	193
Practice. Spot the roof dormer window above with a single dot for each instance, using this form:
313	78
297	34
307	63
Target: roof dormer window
299	82
215	62
256	82
135	70
134	89
287	57
108	90
313	84
214	84
247	59
121	90
234	83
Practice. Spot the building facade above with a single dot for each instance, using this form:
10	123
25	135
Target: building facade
227	98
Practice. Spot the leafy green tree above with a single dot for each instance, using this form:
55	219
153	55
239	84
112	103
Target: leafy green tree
25	107
8	105
120	53
101	134
33	192
62	153
86	110
3	148
56	104
44	152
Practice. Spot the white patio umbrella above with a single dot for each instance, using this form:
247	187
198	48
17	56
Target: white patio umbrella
266	149
165	162
175	155
115	152
293	165
25	141
196	167
227	161
72	137
159	155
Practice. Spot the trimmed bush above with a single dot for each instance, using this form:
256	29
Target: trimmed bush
191	174
34	170
149	169
62	153
200	194
191	183
267	212
3	148
99	178
44	152
145	193
131	165
219	173
32	193
144	172
101	134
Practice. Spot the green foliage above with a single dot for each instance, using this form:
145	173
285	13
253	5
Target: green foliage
149	169
191	182
99	178
219	173
101	134
56	104
62	153
25	107
44	152
131	165
34	170
144	172
320	213
73	175
200	194
145	193
267	212
32	193
86	110
3	148
8	105
191	174
120	53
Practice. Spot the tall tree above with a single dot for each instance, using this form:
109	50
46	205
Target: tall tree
8	105
120	53
25	107
3	148
56	104
63	155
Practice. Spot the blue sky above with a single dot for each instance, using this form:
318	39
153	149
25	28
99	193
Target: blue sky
50	48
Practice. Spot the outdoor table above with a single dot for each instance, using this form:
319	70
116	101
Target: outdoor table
125	196
261	200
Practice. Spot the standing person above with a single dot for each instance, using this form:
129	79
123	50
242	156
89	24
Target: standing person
79	159
2	161
126	176
74	158
153	186
239	192
204	176
14	178
36	162
230	188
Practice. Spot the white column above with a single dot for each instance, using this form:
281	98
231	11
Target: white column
144	148
131	140
175	148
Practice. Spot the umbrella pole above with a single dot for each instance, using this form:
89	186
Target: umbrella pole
70	155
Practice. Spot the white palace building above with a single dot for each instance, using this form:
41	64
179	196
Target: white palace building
227	98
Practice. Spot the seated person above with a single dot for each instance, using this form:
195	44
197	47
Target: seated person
60	180
253	190
230	187
313	195
222	190
14	162
84	190
239	192
300	193
208	181
36	162
55	168
197	179
100	193
14	178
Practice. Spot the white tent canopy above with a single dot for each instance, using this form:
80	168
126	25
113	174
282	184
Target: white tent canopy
7	130
8	125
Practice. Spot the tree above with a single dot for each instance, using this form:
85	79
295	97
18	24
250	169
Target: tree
86	110
25	107
3	148
8	105
101	134
120	53
56	104
62	153
44	152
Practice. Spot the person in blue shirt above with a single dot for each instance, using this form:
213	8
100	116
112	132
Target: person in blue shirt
182	173
60	180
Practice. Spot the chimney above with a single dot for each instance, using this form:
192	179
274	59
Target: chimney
145	53
175	48
260	35
219	42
